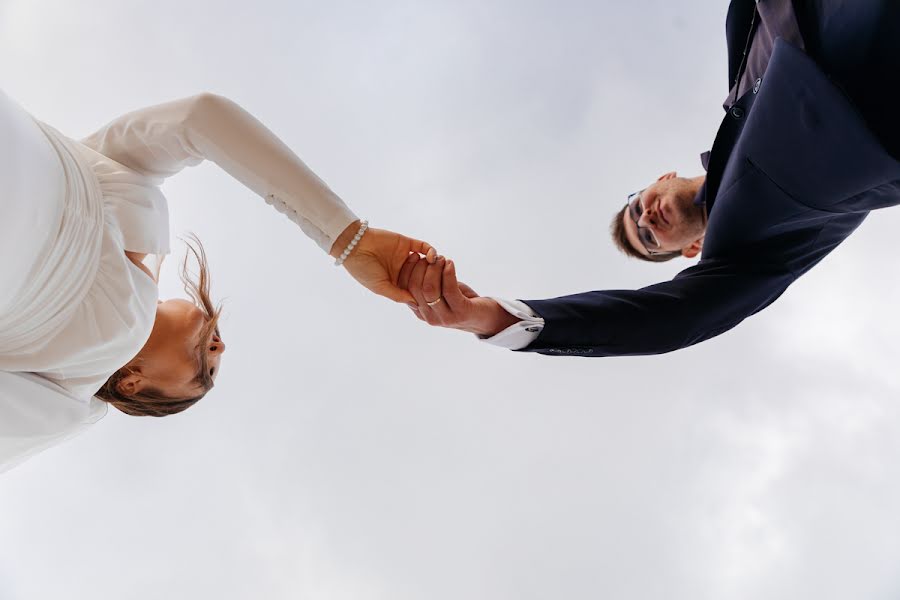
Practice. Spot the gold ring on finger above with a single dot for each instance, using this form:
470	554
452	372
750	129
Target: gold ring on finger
435	302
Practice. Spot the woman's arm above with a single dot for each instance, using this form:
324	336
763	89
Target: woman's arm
161	140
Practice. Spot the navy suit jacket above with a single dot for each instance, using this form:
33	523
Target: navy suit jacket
791	175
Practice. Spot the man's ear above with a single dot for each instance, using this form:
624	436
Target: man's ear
669	175
693	250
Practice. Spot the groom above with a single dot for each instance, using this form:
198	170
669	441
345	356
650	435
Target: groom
808	146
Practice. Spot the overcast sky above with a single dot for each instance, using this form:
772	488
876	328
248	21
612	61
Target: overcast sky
351	452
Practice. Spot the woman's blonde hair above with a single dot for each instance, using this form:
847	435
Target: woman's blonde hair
150	402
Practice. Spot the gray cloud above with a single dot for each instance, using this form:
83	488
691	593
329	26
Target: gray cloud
350	452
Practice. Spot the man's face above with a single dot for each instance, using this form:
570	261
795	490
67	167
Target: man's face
667	212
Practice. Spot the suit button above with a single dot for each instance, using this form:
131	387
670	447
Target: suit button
756	85
737	112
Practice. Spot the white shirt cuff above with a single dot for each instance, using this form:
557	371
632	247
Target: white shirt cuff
518	335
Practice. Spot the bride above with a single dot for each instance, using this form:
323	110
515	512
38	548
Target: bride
81	324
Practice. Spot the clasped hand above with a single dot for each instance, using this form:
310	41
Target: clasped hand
408	270
443	301
376	262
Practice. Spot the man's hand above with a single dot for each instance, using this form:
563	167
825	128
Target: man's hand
442	301
378	257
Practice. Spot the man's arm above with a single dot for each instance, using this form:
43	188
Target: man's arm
699	303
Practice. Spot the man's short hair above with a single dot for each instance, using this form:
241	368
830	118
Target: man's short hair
620	237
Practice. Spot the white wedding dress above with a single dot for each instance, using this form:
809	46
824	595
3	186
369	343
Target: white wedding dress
73	307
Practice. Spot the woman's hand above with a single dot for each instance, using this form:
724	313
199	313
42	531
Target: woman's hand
378	257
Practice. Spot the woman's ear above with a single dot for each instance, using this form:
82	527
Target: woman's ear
131	384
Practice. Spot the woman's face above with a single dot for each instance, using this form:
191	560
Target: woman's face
170	361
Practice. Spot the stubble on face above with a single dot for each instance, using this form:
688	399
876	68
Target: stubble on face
680	222
692	217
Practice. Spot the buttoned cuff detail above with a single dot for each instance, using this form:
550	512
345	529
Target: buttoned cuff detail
518	335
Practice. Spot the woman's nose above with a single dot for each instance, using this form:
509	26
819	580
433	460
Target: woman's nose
217	346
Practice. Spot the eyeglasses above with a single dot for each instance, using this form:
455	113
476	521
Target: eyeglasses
645	234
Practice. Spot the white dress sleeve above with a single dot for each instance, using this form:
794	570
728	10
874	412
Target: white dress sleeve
161	140
36	413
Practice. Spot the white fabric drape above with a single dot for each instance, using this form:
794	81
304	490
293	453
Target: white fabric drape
36	413
51	225
74	308
59	282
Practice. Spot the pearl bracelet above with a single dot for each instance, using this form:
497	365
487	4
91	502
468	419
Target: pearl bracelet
363	226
